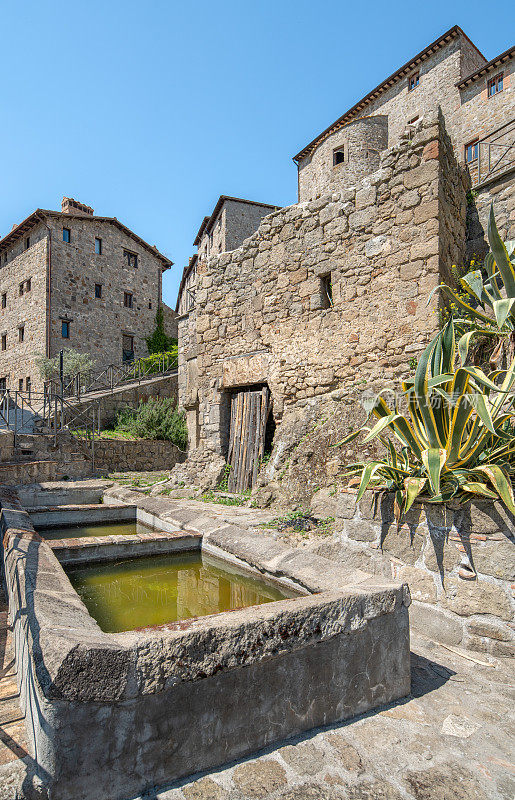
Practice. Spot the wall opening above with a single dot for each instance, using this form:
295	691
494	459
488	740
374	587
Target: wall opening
326	291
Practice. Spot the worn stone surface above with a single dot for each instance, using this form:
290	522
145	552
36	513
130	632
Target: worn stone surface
260	778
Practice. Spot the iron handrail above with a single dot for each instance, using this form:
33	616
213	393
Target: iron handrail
111	376
488	144
47	413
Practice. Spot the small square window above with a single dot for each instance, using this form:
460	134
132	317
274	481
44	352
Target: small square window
495	85
21	333
27	243
66	235
471	151
4	341
4	300
98	290
127	299
98	246
339	155
413	81
326	291
131	258
65	329
20	384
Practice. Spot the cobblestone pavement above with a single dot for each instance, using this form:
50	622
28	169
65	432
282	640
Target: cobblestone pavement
452	739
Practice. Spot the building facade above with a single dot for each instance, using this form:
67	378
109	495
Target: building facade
71	279
328	298
232	221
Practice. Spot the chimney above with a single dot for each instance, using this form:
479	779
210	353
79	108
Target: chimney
71	206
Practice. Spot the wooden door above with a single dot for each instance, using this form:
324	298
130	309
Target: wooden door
250	409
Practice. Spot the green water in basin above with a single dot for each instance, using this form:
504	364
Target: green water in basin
142	592
101	529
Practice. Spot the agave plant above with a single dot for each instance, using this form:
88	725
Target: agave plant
456	440
491	290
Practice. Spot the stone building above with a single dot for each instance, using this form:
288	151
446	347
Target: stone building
233	219
71	279
327	298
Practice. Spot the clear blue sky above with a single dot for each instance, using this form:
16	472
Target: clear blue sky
148	111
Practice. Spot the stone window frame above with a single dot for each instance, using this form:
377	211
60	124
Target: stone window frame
128	300
27	242
131	258
4	341
65	328
20	384
67	233
492	83
413	81
4	300
98	291
98	246
21	332
341	148
24	287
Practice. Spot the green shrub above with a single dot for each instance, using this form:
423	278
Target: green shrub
150	365
159	342
155	419
73	362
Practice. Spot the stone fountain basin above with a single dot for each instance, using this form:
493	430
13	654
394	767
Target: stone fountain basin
112	714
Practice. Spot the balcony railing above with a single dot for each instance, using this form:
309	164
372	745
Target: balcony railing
495	154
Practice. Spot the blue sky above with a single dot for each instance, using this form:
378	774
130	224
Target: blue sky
148	111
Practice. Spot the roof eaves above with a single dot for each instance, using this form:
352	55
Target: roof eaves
208	222
23	226
41	213
452	33
490	65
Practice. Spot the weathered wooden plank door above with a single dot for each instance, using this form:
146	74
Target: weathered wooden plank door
250	409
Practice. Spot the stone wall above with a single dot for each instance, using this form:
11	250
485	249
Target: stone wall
261	315
140	455
468	111
361	142
459	563
27	310
70	270
98	324
438	76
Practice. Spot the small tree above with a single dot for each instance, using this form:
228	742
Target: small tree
159	342
73	362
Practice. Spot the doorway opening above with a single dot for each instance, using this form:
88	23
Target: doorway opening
251	432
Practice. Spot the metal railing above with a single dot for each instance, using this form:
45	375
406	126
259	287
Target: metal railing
112	376
48	414
495	154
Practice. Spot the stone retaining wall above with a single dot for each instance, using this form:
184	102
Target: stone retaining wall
139	455
459	563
